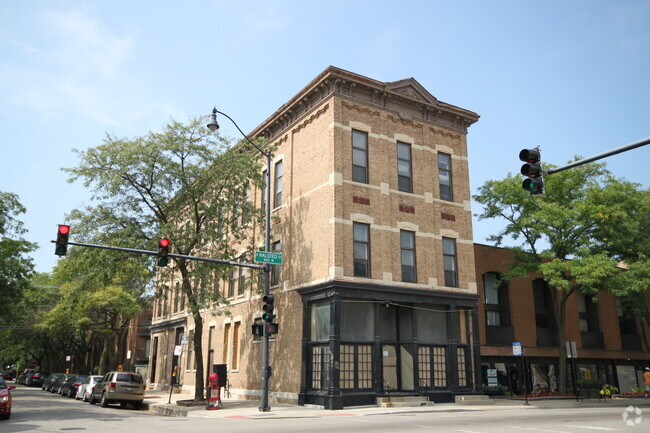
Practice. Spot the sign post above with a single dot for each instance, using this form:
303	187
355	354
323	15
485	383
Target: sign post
517	350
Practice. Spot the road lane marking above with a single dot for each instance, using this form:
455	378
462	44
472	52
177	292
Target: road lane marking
540	429
595	428
468	431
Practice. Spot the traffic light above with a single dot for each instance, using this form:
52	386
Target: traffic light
62	240
267	316
532	169
163	251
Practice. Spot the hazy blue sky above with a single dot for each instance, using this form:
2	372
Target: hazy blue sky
571	76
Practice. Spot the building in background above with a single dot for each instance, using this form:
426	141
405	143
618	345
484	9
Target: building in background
611	349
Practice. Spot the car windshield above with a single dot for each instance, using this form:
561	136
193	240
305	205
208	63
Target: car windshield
127	377
3	385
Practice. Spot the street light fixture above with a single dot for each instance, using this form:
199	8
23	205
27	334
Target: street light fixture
213	125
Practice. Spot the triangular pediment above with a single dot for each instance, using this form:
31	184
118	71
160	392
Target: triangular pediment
411	89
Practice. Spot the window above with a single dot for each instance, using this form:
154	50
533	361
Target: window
320	362
496	300
432	366
356	366
190	352
444	176
275	269
242	280
176	290
226	344
461	354
407	243
278	184
359	156
450	263
231	283
235	346
404	167
266	181
361	250
245	216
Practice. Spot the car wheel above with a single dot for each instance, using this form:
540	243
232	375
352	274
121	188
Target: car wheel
137	405
91	399
104	402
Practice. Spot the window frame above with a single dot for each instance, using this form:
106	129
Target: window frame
454	260
410	167
277	185
365	244
449	176
275	269
412	250
366	177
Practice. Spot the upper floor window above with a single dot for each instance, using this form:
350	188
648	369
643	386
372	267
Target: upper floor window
232	283
407	243
588	313
444	176
278	184
241	287
404	181
361	250
266	181
450	262
496	300
275	269
359	156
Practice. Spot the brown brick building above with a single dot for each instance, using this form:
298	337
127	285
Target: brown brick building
371	210
610	348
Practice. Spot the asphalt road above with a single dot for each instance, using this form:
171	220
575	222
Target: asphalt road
37	411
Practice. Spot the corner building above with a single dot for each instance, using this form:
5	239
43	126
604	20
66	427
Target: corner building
377	291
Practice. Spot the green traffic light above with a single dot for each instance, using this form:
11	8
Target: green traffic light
533	185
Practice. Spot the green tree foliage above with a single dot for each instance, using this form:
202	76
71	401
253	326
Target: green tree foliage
15	265
185	184
572	237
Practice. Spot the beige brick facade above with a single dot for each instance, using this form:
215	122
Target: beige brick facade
314	223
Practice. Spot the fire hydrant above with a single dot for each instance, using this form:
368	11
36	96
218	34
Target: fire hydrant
213	402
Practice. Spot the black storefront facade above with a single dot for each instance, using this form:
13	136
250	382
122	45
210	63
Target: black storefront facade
363	341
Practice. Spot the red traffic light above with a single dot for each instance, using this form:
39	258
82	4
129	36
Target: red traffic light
64	229
164	242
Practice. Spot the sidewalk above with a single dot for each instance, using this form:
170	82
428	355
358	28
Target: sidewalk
232	408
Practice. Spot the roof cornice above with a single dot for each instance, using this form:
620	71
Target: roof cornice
407	98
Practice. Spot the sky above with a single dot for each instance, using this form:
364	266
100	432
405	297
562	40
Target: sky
572	77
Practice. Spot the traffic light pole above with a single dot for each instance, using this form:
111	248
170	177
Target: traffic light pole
213	125
599	156
178	256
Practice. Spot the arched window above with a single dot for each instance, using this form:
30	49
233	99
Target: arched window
495	297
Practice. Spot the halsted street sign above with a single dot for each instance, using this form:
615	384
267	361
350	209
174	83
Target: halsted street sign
268	257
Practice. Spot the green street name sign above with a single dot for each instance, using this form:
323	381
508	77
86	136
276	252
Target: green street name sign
268	257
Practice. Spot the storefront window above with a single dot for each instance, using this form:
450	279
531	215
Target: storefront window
431	324
357	321
320	321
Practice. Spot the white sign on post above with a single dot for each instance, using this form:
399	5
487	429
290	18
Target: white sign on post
184	340
516	349
571	350
178	350
128	354
68	358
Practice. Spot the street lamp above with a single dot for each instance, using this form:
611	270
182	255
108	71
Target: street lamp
213	125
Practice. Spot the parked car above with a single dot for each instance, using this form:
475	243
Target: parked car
8	375
86	387
5	399
119	387
37	378
71	385
58	383
20	379
47	384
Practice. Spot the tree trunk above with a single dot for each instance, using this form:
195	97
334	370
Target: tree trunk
195	309
560	318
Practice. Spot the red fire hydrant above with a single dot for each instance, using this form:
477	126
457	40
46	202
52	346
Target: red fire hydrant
213	401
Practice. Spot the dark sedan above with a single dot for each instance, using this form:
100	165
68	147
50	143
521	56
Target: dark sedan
47	384
37	378
71	386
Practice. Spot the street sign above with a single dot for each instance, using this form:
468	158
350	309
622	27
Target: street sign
268	257
178	350
516	349
184	340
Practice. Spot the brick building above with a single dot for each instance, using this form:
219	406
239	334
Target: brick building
610	347
377	291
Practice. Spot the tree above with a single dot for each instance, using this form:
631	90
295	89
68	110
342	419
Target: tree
567	236
185	184
16	267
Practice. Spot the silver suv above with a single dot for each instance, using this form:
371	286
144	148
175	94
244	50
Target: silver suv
119	387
